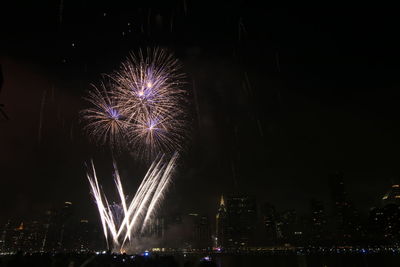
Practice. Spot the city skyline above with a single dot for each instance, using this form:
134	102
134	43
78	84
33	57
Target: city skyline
239	223
376	200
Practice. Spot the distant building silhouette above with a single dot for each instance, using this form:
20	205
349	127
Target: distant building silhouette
270	222
202	232
318	221
346	223
290	227
241	220
59	228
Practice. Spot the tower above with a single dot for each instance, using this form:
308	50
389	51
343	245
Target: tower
220	229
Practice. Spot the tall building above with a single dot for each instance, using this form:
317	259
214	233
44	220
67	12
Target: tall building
59	229
241	221
66	224
318	221
290	228
82	236
384	222
201	231
3	236
376	225
270	223
220	224
339	195
345	217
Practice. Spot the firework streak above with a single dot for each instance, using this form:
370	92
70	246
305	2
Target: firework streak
137	213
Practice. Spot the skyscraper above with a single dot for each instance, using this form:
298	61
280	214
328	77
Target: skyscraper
201	237
345	217
220	224
318	221
270	221
241	221
59	228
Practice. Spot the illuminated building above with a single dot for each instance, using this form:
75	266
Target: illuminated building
3	236
83	236
384	222
220	224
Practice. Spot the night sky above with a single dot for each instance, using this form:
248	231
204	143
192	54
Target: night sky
280	100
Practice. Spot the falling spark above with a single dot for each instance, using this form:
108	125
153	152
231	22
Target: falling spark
196	102
260	129
148	22
41	116
241	28
247	81
60	11
278	66
71	132
234	174
138	212
185	7
171	24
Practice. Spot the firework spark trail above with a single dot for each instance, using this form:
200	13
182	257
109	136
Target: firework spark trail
98	199
41	116
159	192
121	193
144	186
142	206
159	182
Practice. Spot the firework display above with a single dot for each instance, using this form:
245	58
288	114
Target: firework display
119	230
143	107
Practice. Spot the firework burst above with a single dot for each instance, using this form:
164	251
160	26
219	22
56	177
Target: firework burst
145	105
105	123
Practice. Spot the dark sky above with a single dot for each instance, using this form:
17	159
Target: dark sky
281	98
